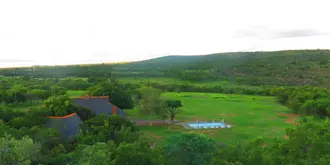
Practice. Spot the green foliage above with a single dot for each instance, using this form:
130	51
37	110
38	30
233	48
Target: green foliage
174	103
38	94
172	112
18	152
305	100
59	105
151	103
137	153
117	93
121	99
193	149
109	128
83	112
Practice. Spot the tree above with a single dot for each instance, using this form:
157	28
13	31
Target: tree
58	90
83	112
118	95
96	154
121	98
151	103
172	112
17	93
105	128
137	153
189	149
59	105
173	108
20	152
174	103
37	94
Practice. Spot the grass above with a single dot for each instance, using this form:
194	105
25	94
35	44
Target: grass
76	93
176	81
250	116
24	106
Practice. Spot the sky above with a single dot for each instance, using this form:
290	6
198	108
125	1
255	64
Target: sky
39	32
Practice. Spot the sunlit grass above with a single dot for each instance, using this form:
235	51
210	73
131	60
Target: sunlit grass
251	116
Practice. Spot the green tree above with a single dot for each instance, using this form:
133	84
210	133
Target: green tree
189	149
151	103
117	93
96	154
137	153
59	105
121	98
56	90
173	108
105	128
37	94
83	112
18	152
17	93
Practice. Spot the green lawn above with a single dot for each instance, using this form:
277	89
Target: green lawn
25	106
251	116
77	93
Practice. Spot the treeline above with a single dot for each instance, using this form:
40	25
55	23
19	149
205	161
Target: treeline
302	100
305	100
20	90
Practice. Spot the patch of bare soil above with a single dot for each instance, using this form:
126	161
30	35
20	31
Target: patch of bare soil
286	137
234	115
251	127
290	117
251	113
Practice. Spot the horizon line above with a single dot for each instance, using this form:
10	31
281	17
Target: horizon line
132	61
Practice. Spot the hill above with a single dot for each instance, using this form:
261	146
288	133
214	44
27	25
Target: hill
291	67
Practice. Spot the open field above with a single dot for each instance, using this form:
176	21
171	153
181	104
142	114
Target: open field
251	116
76	93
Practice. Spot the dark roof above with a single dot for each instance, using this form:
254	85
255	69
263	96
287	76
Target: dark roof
67	125
99	105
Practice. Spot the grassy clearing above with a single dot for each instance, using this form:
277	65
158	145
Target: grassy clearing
76	93
24	106
251	116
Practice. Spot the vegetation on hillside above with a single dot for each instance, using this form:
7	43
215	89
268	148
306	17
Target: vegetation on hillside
293	67
112	140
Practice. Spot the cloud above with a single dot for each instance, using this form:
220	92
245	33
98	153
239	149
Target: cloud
297	33
269	33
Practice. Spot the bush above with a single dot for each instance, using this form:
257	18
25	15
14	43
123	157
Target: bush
84	113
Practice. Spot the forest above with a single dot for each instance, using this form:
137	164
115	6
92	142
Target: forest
300	82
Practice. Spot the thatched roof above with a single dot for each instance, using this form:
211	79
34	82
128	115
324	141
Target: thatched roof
67	125
99	105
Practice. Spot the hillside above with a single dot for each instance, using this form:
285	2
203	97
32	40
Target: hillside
292	67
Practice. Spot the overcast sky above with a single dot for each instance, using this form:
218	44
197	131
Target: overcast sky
77	31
